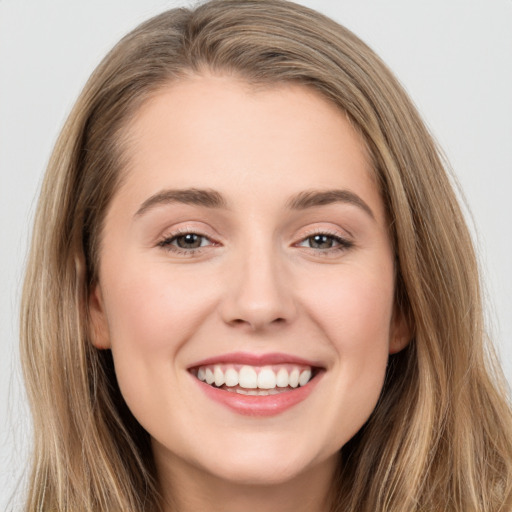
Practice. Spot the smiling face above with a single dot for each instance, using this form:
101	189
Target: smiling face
246	251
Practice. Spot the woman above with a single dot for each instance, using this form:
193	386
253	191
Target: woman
251	285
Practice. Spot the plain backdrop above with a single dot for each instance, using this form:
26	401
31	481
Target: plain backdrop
454	57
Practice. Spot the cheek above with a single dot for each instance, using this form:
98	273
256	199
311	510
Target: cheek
354	311
354	308
152	313
154	310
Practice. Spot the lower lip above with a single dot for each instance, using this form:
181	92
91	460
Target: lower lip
263	405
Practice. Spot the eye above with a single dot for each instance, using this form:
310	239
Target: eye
186	242
325	242
320	241
189	241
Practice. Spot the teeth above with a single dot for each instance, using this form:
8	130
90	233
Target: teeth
248	377
293	380
209	377
304	377
219	376
281	379
254	392
231	377
253	380
266	378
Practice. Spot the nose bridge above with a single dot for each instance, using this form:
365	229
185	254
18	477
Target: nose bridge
259	294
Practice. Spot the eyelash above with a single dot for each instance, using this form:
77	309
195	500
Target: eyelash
343	243
168	243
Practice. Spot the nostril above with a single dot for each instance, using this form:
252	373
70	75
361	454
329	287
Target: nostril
255	324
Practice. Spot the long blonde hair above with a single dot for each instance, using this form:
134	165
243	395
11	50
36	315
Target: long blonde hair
440	437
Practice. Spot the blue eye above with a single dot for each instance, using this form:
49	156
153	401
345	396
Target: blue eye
325	242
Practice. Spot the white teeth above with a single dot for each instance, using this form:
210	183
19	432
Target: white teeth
248	377
255	392
266	378
293	380
282	378
231	376
219	376
304	377
210	378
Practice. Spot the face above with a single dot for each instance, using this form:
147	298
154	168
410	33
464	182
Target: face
246	280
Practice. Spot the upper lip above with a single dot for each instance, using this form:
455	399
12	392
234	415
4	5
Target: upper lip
251	359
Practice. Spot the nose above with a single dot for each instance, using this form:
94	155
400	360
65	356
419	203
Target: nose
259	293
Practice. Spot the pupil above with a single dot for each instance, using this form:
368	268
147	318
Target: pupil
322	242
189	241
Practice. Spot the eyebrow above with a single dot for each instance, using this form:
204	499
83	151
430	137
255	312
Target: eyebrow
199	197
209	198
312	198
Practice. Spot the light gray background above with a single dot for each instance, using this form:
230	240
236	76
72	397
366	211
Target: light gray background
453	56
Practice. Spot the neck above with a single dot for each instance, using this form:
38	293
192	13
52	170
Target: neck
186	488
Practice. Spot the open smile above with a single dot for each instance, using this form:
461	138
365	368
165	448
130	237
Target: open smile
258	388
255	380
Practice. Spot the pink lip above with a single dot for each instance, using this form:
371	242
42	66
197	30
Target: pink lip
249	405
256	360
269	405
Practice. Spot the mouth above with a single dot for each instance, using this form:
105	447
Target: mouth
257	385
255	380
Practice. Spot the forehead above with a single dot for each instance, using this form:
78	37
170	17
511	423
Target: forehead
221	132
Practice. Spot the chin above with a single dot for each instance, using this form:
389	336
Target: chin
261	463
262	472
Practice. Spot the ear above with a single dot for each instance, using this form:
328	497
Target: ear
98	324
401	331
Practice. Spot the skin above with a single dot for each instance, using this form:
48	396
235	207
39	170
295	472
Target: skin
258	284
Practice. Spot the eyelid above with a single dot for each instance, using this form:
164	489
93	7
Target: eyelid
326	230
188	226
344	242
165	241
